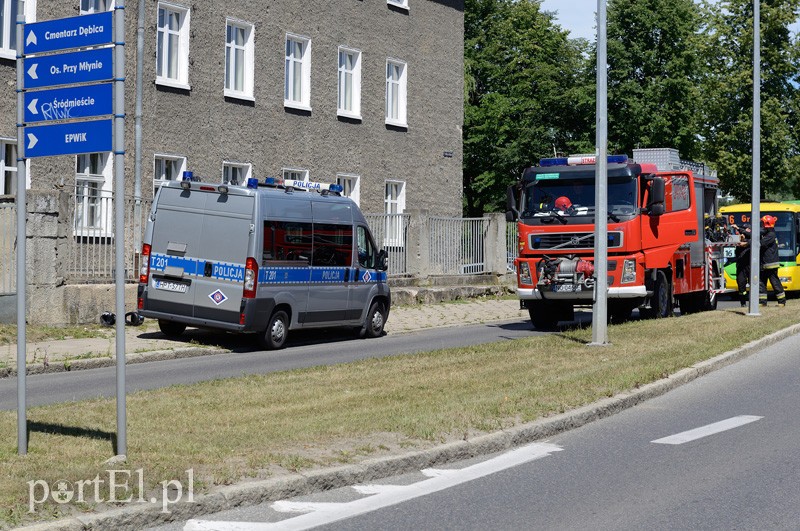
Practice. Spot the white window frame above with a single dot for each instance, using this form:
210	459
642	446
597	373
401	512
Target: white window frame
290	73
179	165
403	4
181	79
8	168
394	203
355	79
88	10
396	91
245	167
102	224
354	190
8	40
247	58
293	173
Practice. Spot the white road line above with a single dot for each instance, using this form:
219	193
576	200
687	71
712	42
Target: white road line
325	513
705	431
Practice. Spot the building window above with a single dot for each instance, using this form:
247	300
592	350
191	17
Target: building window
8	25
398	3
93	207
172	53
167	168
349	83
294	174
351	186
8	167
96	6
239	59
396	93
297	83
394	205
236	173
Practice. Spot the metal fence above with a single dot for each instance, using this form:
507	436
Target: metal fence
391	233
91	247
457	245
512	246
8	249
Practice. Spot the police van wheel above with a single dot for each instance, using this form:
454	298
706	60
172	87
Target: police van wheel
171	328
375	321
274	337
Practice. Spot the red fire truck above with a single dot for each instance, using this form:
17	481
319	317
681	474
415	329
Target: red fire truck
658	255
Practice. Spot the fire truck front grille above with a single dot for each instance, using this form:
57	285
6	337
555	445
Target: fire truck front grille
571	240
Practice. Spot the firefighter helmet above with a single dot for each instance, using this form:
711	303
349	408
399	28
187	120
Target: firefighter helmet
563	203
769	221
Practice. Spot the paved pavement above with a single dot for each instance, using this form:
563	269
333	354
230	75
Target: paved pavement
146	342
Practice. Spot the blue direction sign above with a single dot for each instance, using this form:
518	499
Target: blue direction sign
68	139
72	32
69	68
66	103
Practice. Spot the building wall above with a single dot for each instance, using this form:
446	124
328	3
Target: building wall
207	128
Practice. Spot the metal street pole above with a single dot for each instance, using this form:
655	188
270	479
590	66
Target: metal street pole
119	218
755	241
600	308
22	369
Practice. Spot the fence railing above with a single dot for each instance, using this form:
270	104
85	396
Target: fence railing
391	233
457	245
91	247
8	249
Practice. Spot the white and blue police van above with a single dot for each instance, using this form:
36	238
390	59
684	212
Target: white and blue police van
264	258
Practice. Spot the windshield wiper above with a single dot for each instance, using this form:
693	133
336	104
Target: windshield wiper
552	214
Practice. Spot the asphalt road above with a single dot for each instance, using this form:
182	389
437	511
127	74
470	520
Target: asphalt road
721	452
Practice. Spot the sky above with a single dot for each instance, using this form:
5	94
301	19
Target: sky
577	16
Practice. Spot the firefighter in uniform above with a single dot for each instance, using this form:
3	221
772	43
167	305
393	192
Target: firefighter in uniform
742	262
770	263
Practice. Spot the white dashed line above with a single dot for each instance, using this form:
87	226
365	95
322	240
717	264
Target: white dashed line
705	431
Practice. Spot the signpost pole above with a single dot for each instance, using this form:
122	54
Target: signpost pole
755	221
119	217
600	309
22	415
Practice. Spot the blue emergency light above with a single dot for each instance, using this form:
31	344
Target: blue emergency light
579	160
188	176
252	182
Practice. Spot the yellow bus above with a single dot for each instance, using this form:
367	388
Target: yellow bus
787	229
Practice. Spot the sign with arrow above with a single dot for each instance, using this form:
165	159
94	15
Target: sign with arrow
68	139
72	32
65	103
69	68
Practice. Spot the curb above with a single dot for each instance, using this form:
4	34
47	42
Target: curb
256	492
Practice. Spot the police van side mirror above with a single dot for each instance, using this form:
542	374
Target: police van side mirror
382	261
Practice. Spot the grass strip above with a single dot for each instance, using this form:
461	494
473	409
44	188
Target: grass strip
231	430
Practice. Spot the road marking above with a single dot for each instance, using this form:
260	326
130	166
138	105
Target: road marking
326	513
705	431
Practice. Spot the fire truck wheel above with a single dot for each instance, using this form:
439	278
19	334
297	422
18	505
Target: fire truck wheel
274	337
661	301
543	319
709	301
171	328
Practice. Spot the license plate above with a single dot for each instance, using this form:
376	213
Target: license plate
178	287
566	287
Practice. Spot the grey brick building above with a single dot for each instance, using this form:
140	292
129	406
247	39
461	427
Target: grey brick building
369	92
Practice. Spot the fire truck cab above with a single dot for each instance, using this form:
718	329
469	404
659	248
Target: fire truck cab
657	253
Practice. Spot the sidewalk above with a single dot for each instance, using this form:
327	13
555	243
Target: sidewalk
147	343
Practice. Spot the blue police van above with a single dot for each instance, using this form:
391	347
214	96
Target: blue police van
264	258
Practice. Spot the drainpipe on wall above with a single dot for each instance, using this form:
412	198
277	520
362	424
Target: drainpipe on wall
137	189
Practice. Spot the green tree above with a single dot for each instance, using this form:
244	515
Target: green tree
528	93
728	96
654	74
